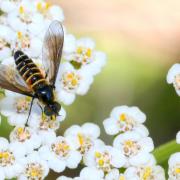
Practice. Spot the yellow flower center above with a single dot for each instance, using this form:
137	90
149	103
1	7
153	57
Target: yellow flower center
61	148
21	10
22	104
103	161
34	171
81	139
122	177
125	122
70	80
19	35
147	173
22	134
131	147
129	143
48	122
83	55
85	143
43	7
23	40
177	170
6	158
24	15
122	117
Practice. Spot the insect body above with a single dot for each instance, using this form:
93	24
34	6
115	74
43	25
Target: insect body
34	78
29	80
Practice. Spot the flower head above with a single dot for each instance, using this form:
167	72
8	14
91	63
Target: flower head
123	119
86	136
82	54
173	77
87	173
61	153
174	166
151	172
104	158
15	107
11	156
6	37
115	175
71	82
135	147
34	168
25	137
178	138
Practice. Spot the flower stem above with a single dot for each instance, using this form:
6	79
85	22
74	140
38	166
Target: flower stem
163	152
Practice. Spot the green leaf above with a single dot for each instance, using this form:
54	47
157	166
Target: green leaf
163	152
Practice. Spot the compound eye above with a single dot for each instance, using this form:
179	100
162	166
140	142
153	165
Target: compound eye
48	111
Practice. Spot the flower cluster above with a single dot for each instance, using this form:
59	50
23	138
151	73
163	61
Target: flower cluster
173	77
33	150
129	158
23	24
174	163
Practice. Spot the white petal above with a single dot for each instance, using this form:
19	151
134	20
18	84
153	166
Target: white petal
111	126
74	159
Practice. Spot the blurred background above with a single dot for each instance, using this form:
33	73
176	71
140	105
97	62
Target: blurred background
142	41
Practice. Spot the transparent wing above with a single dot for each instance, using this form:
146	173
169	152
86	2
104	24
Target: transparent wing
52	50
11	80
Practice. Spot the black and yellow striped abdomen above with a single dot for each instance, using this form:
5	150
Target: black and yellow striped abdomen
29	70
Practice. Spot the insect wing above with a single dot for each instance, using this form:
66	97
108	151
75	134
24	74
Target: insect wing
11	80
52	50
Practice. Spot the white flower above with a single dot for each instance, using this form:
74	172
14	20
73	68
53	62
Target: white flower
87	173
46	126
69	43
173	77
25	18
115	175
83	54
34	168
61	153
49	12
29	44
152	172
71	82
25	137
11	157
91	173
6	36
41	122
16	107
174	166
135	148
9	5
86	136
104	158
124	118
178	138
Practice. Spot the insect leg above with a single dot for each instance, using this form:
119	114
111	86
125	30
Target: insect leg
41	108
29	111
